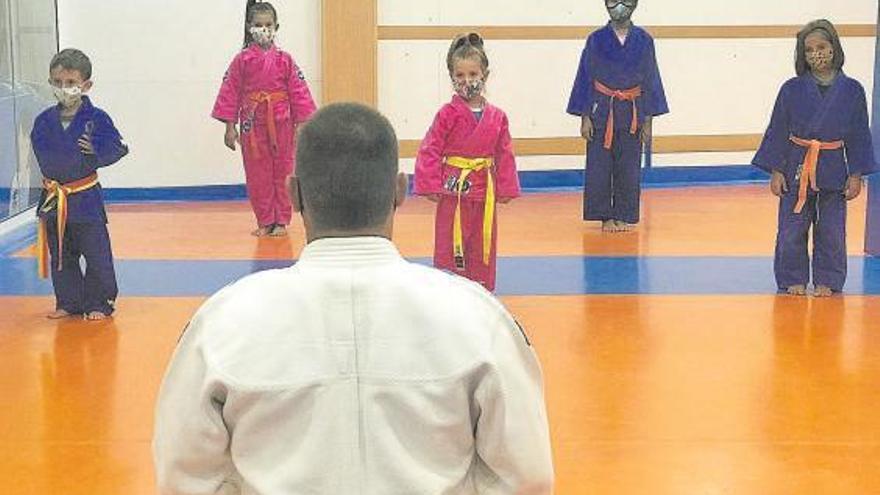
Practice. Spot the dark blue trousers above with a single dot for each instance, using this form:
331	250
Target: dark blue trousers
825	212
78	291
612	181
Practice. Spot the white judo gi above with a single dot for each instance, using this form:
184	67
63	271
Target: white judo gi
353	372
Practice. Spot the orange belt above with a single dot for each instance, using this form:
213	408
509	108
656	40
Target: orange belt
258	98
811	162
60	192
619	94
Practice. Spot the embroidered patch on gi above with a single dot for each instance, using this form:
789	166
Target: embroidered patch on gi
523	332
451	185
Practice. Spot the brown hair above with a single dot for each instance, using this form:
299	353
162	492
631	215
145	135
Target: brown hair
72	59
826	29
465	46
252	8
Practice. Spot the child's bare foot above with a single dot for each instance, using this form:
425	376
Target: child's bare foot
797	290
823	291
609	226
624	227
278	231
58	314
96	316
262	231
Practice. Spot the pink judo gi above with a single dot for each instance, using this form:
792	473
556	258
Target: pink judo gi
456	132
266	92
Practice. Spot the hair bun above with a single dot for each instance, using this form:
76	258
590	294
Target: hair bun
468	39
475	39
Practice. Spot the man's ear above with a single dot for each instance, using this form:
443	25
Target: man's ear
402	187
295	191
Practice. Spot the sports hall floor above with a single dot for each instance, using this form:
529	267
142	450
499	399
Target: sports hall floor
671	366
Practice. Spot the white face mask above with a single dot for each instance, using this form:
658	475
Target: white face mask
68	97
263	35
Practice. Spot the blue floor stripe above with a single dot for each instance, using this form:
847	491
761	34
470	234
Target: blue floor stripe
550	275
18	239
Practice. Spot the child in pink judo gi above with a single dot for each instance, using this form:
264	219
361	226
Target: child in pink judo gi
267	93
465	164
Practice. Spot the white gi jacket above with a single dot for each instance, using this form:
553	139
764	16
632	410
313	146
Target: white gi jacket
352	372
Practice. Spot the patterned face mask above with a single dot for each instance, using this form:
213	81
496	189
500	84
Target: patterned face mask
68	97
469	88
263	35
820	60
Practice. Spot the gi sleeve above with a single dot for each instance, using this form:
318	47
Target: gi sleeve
39	141
302	106
857	142
771	154
191	441
106	141
582	91
512	436
228	102
506	177
656	98
429	160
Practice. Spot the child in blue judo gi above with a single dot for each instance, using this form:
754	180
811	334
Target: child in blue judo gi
617	92
817	148
71	141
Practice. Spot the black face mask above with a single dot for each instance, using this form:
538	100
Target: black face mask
621	10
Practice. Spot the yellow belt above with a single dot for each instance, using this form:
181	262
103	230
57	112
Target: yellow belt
468	165
59	191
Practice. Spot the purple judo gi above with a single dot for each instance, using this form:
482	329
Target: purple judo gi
803	111
86	236
612	186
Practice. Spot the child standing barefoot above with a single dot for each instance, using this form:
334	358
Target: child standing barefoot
71	141
266	92
817	148
617	93
466	165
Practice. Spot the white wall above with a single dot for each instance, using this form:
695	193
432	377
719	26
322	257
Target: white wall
651	12
158	64
713	86
157	67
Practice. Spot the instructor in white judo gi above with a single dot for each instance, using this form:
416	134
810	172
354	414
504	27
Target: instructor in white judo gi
354	371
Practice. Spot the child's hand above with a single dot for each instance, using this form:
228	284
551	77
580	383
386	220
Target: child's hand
853	187
777	184
231	137
85	145
504	200
587	128
434	198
